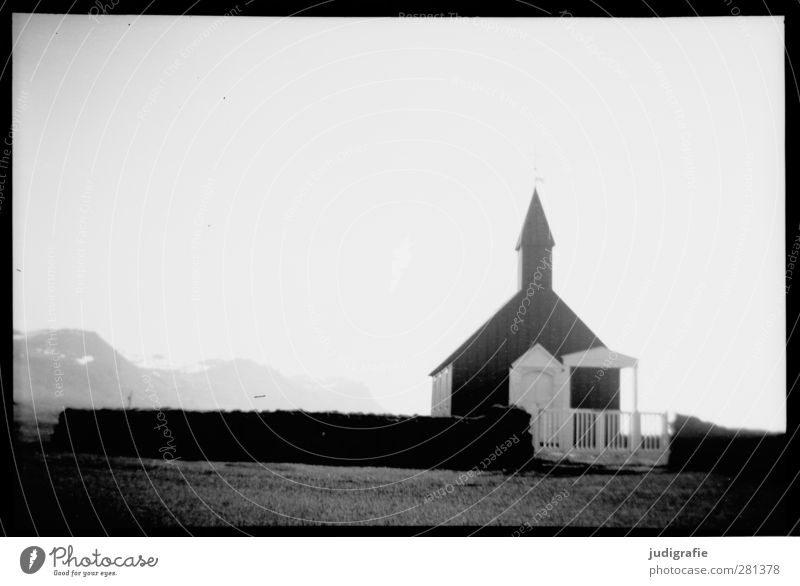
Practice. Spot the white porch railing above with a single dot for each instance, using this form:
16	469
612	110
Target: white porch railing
594	432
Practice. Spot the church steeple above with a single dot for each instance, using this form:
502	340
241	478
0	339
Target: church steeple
535	248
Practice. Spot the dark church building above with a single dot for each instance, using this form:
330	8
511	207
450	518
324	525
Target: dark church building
537	354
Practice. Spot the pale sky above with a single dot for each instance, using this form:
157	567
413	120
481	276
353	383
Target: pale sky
342	197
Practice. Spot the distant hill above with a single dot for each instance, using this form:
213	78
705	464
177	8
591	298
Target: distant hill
689	426
700	445
76	368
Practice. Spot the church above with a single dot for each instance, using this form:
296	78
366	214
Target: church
536	353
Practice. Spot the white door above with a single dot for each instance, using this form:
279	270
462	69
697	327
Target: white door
536	390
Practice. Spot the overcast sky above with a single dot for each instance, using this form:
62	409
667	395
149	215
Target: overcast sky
342	197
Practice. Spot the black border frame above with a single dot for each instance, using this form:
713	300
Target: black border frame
443	9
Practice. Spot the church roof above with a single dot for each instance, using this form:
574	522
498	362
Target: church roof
535	231
548	320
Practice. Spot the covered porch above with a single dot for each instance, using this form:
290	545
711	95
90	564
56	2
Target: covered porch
557	393
601	437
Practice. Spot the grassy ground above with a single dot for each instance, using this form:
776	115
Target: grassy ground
124	494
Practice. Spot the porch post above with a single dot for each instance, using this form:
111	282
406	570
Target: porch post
600	430
636	431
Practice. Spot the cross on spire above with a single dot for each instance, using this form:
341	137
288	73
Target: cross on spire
537	178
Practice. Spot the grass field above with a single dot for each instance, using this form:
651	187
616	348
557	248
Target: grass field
121	494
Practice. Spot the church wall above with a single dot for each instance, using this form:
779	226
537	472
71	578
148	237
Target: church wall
481	371
435	395
441	395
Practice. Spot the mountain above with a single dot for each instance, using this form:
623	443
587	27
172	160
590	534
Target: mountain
55	369
691	427
741	453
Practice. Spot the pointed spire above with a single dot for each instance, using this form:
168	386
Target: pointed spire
535	230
